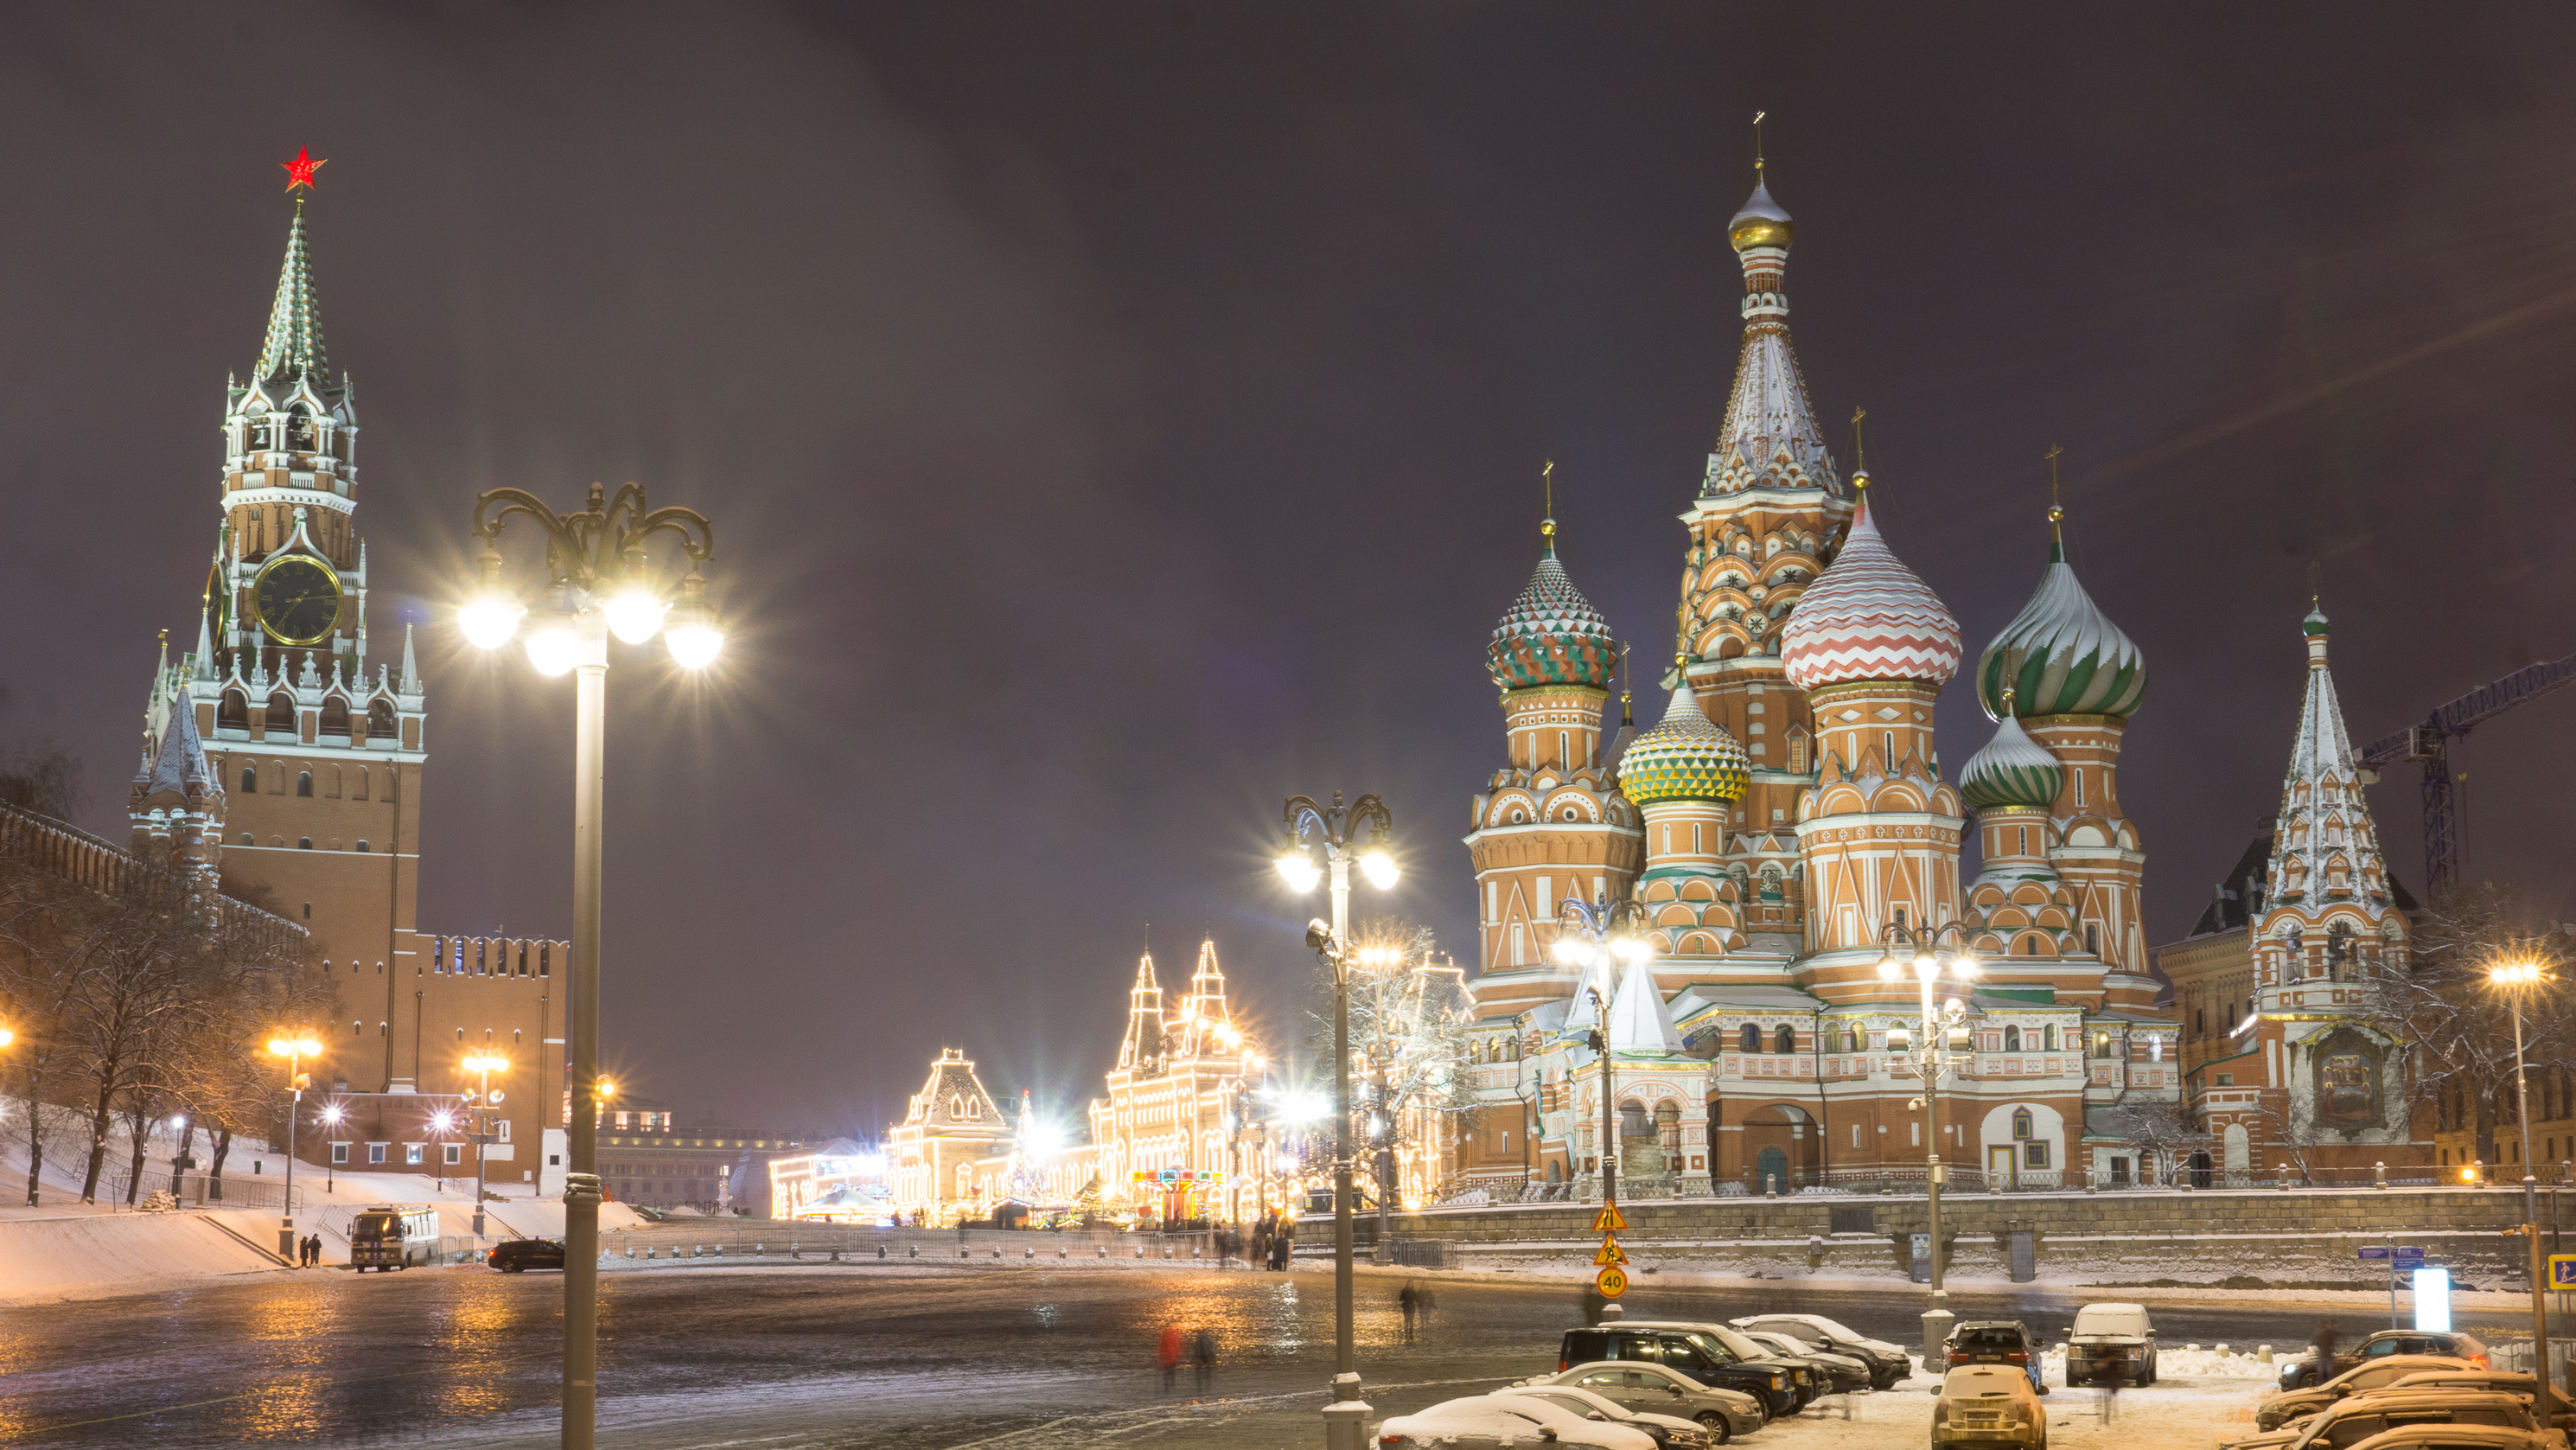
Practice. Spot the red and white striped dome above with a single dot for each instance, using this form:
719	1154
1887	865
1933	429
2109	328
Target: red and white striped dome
1867	617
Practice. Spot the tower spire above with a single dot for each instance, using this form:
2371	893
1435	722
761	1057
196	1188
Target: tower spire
1769	438
2056	511
293	348
1547	524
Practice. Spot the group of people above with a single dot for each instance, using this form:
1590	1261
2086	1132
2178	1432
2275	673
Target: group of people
1274	1238
1200	1346
308	1252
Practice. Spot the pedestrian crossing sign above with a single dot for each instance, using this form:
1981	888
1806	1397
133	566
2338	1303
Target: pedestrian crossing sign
1608	1220
1610	1252
2562	1271
1612	1282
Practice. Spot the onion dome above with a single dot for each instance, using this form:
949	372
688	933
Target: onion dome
2314	626
1868	617
1686	757
2013	769
1551	635
1762	222
2064	655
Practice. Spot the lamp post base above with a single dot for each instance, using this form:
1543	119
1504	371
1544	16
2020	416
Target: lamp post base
1936	1329
1346	1418
286	1239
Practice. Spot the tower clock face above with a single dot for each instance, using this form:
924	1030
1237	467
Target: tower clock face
298	598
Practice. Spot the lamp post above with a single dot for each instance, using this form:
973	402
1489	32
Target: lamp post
294	1050
1599	936
2515	977
599	581
1334	829
482	1065
332	1113
1930	1056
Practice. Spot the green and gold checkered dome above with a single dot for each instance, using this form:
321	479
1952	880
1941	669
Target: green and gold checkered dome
1686	757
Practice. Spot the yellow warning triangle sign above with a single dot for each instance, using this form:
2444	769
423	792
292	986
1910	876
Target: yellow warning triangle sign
1610	1252
1608	1220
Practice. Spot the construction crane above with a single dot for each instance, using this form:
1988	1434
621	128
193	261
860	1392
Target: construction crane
2429	744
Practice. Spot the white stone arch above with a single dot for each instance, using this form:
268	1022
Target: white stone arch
2239	1152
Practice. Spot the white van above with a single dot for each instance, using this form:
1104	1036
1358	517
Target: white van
2111	1344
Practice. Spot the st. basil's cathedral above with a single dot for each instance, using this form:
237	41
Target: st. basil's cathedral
1787	820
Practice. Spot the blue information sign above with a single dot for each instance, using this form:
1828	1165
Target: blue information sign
2562	1271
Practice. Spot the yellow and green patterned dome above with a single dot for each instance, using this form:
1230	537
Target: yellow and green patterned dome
1686	757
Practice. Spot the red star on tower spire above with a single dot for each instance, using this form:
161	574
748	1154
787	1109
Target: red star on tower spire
299	172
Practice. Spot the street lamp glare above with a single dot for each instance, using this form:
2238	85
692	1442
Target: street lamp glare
554	646
1300	871
1890	969
1964	968
7	1036
1380	865
634	615
490	620
308	1047
692	628
2514	974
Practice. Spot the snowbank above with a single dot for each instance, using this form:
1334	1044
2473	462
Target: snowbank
93	1254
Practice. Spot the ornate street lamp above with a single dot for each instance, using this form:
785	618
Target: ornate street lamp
1601	937
294	1049
2516	976
1935	1047
1334	829
599	581
482	1065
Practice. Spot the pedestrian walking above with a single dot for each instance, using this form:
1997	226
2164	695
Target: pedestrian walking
1261	1243
2109	1369
2329	1334
1409	1299
1167	1353
1203	1357
313	1251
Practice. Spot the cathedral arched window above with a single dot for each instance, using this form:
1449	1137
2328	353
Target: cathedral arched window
304	782
281	711
2012	1039
250	780
2048	1041
299	428
1784	1041
1751	1038
2021	1123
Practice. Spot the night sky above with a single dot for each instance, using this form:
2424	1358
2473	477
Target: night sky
1118	417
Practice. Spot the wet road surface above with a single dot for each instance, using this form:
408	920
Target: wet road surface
1021	1358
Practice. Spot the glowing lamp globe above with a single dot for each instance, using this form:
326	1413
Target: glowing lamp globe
1300	871
554	646
634	615
1380	865
490	620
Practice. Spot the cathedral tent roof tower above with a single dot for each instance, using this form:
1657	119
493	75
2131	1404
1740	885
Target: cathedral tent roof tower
1769	439
293	349
1868	617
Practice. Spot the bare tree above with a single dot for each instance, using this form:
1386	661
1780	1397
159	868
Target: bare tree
2461	1025
1410	1064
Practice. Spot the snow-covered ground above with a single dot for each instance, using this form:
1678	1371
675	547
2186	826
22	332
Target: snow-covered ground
62	1248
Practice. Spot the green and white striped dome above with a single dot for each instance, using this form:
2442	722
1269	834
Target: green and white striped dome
1686	757
2073	659
2013	770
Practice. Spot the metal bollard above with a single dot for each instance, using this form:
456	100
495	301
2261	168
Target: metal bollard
961	1248
1140	1252
1167	1248
880	1253
760	1251
2379	1175
836	1256
1194	1251
795	1252
1059	1251
1104	1253
630	1251
913	1250
1024	1253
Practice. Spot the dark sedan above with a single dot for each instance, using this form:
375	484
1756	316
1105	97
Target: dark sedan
517	1256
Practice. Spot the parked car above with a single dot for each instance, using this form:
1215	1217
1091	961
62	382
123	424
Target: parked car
1890	1361
517	1256
1672	1432
2114	1343
1696	1350
1723	1413
2302	1370
1836	1371
2464	1437
1994	1341
1989	1404
2356	1418
1492	1422
2557	1414
2284	1406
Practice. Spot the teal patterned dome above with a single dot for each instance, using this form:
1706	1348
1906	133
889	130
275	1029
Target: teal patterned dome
1686	757
2013	770
2073	659
1551	635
